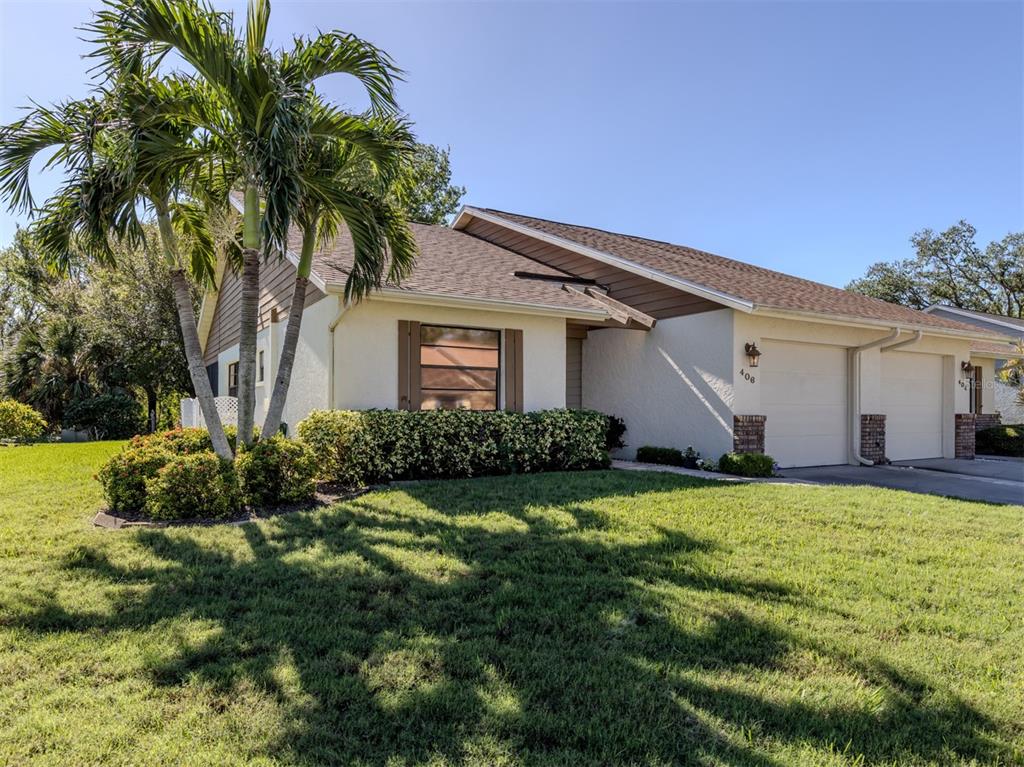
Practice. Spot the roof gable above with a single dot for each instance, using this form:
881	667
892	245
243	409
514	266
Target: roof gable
736	283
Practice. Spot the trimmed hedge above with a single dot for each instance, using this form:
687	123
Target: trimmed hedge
747	464
360	448
275	471
1007	439
19	422
668	456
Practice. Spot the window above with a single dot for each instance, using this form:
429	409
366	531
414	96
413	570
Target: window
233	379
459	368
259	367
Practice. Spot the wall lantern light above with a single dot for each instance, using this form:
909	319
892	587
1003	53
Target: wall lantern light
753	354
967	368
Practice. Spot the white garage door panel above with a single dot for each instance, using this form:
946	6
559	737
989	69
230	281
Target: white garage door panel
803	394
912	403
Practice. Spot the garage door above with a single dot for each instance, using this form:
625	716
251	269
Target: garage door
803	395
912	403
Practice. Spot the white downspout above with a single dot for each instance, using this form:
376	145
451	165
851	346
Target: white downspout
907	342
330	372
855	353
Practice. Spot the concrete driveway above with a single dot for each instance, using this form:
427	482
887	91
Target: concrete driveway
991	480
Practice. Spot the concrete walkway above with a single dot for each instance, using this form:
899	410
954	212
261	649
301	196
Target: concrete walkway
710	475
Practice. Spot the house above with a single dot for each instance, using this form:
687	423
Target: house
689	348
995	398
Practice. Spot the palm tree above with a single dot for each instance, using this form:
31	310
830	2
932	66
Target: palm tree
345	182
262	115
120	150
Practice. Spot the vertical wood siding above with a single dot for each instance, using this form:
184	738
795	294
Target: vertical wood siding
574	373
277	281
660	301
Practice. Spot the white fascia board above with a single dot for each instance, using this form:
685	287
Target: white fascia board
607	258
482	304
313	277
209	304
934	308
988	354
850	321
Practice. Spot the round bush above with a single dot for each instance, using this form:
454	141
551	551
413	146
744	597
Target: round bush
329	434
19	422
747	464
274	471
124	476
194	486
112	415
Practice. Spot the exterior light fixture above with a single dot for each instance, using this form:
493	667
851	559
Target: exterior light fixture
967	368
753	354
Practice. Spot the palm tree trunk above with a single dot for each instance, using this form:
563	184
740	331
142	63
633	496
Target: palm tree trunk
249	318
196	369
291	333
284	370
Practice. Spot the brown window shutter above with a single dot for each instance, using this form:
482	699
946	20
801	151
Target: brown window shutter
977	390
514	370
408	365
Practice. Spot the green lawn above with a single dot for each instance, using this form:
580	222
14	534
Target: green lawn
595	618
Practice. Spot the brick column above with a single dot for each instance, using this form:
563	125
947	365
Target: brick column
872	437
964	435
748	433
986	420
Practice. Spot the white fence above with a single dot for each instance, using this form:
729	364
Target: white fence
192	414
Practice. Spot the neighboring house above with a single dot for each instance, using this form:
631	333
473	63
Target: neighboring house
507	311
997	398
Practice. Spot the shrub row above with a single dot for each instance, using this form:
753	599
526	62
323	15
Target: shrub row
365	447
669	456
19	422
1001	440
176	475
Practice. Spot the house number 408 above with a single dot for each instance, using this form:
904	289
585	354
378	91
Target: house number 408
747	375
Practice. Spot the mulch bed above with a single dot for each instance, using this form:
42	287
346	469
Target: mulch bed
326	495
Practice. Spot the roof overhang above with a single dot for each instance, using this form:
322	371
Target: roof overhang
862	322
467	213
402	295
991	319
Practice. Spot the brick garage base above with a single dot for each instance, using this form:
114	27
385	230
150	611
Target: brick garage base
748	433
964	435
872	437
986	421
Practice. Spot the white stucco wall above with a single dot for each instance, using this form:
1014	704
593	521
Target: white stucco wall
310	371
366	349
673	385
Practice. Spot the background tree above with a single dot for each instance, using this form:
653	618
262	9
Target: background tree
423	189
950	268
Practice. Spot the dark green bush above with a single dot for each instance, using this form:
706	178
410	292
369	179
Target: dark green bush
200	485
274	471
669	456
380	445
1007	439
111	415
615	436
124	476
747	464
19	422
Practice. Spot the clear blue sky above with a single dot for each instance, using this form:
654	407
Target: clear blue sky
811	137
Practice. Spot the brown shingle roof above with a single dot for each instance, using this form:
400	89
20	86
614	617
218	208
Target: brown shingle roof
458	265
762	287
991	347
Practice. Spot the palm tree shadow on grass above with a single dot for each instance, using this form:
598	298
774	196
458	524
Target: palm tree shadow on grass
544	635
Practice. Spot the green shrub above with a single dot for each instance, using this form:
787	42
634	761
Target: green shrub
111	415
329	434
1007	439
276	470
19	422
193	486
615	436
667	456
124	476
187	441
747	464
382	445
